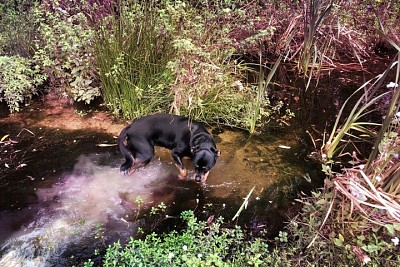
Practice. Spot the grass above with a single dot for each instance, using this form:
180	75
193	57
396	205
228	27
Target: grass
132	54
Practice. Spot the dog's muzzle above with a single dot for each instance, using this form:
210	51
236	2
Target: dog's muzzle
201	177
197	178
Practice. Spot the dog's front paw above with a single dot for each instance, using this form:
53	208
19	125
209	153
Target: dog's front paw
182	177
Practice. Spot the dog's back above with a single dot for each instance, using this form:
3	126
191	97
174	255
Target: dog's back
164	130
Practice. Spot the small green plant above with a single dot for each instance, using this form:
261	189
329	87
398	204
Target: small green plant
159	209
88	263
19	81
139	202
200	244
283	237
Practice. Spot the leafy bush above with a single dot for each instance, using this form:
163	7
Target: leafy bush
65	51
200	244
18	81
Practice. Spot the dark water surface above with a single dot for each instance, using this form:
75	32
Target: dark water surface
68	197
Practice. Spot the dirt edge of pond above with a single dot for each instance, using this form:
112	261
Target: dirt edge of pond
59	113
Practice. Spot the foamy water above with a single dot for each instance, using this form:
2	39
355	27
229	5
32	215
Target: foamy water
72	211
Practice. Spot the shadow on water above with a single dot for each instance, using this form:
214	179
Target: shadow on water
68	198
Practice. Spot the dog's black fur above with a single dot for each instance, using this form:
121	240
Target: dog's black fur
184	137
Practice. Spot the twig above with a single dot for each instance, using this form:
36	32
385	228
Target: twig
244	204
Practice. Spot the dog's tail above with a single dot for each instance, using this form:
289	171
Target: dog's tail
129	160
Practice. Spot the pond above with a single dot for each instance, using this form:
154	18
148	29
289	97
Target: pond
63	196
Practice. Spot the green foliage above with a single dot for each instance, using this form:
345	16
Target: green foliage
200	244
17	27
65	51
316	12
133	53
306	241
19	80
210	84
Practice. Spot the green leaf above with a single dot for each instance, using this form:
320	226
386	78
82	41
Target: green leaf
341	237
390	229
338	242
396	226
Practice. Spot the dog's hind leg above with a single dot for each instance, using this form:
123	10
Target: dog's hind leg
139	154
143	154
128	164
136	165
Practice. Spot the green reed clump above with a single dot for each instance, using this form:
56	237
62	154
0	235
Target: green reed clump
132	53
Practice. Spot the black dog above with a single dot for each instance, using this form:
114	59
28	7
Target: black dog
183	136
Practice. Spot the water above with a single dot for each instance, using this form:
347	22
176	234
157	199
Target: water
70	198
85	208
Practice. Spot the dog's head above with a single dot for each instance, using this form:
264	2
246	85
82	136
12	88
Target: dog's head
203	160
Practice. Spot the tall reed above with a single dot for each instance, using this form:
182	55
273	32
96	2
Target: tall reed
355	126
393	106
132	52
261	92
314	14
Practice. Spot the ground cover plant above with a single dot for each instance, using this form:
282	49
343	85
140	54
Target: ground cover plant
199	244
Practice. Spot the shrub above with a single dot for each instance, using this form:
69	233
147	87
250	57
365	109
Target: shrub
18	81
65	51
210	84
200	244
